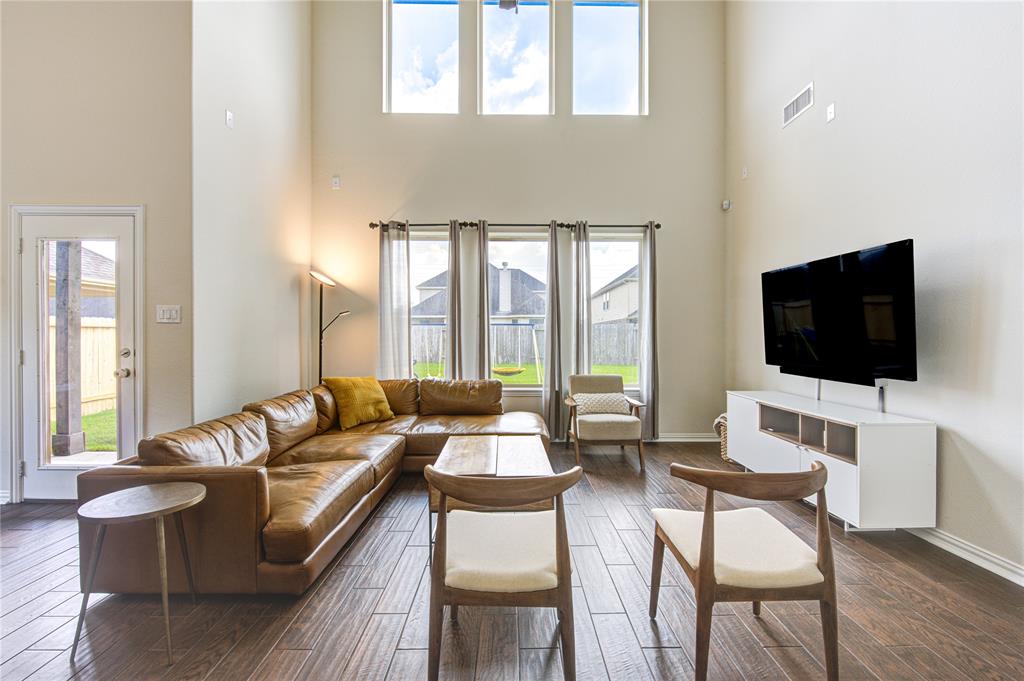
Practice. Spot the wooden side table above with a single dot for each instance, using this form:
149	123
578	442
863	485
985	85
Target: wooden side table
141	503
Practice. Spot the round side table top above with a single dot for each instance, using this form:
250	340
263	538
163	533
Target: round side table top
143	502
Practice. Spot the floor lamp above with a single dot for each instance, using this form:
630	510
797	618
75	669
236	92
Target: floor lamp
324	280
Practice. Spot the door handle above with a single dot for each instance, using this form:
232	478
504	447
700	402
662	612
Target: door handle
123	373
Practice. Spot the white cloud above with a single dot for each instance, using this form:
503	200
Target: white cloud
414	92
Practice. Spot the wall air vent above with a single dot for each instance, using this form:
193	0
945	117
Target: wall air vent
802	102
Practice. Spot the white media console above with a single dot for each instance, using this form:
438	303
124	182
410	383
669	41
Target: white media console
881	467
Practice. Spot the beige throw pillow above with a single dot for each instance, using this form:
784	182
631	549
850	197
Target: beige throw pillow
601	403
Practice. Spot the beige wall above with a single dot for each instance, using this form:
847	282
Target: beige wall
251	229
96	111
926	144
667	166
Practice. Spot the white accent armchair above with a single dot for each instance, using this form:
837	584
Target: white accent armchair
605	429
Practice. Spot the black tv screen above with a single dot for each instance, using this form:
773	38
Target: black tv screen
846	318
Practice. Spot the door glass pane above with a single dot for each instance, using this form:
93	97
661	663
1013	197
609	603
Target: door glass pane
614	308
428	299
79	351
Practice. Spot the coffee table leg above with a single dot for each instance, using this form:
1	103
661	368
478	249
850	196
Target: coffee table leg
161	553
184	554
101	532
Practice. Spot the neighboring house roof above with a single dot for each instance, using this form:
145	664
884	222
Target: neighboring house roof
95	267
526	293
632	274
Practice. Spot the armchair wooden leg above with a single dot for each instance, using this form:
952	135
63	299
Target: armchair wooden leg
436	623
640	452
830	634
656	562
757	608
453	611
705	605
566	628
576	442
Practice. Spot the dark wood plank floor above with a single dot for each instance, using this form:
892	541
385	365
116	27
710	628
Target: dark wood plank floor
908	610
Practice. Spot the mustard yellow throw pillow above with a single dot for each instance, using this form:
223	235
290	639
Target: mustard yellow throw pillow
360	400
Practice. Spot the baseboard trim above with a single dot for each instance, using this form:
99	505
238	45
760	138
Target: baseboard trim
5	496
975	554
687	437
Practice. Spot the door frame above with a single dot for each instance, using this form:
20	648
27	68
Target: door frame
13	281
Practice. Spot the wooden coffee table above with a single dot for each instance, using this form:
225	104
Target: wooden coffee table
502	456
141	503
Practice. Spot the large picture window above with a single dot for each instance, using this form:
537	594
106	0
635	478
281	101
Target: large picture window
428	301
422	64
515	48
518	294
615	306
608	57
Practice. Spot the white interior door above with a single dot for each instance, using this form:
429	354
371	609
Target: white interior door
78	338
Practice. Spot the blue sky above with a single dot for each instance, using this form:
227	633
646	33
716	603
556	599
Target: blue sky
425	54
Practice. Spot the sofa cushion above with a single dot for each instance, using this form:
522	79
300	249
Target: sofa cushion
307	501
399	425
429	434
403	394
291	418
383	452
360	400
326	408
439	396
232	440
608	427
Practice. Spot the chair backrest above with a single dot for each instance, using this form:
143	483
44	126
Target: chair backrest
502	492
595	383
760	486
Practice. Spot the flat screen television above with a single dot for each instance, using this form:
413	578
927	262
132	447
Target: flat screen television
846	318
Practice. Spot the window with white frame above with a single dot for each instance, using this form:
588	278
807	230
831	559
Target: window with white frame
515	53
615	305
428	302
608	57
517	280
421	56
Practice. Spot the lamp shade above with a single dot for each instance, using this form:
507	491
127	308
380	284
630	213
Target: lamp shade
322	278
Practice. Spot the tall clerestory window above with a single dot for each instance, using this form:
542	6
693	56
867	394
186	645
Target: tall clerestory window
421	70
609	57
515	53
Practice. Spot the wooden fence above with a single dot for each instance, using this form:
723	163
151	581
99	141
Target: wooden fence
99	362
516	344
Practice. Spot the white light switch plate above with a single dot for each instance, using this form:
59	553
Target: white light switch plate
168	314
229	118
830	112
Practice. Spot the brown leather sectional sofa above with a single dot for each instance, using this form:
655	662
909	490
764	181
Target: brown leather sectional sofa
286	488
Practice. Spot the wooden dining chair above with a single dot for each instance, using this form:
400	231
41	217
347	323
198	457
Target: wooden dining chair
748	555
501	558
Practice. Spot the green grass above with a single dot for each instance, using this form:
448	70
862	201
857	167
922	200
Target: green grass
100	431
629	373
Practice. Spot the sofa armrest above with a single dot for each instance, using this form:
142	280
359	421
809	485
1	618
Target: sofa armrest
223	531
634	403
570	402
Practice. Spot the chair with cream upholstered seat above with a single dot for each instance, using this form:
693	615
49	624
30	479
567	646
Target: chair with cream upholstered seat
503	558
748	555
603	428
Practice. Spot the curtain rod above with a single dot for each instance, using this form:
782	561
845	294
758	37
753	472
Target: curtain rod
474	224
